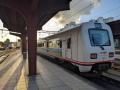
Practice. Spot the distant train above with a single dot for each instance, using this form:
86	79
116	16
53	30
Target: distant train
89	46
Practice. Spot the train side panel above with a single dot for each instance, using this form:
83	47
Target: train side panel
74	44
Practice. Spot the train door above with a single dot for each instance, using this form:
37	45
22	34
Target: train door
68	48
63	48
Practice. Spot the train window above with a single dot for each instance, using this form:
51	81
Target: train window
50	44
117	43
47	44
99	37
50	41
39	45
42	44
59	42
69	43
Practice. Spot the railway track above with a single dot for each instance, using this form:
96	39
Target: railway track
4	54
105	82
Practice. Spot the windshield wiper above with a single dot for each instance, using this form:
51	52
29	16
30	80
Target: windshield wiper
102	47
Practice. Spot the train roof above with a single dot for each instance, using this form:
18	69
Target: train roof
75	27
72	26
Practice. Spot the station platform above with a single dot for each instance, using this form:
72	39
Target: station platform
50	76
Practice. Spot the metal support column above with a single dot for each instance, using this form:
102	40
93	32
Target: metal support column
32	45
23	38
24	45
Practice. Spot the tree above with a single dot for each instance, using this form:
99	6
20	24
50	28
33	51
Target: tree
7	43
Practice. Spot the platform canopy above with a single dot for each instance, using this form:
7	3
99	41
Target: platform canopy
115	26
25	17
16	13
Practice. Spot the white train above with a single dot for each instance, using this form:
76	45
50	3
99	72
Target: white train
89	46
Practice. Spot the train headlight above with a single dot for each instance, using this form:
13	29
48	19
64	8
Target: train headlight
93	55
111	54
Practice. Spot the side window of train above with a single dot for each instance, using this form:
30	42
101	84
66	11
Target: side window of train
42	44
69	43
50	44
59	42
47	44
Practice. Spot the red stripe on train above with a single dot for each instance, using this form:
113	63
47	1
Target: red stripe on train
79	62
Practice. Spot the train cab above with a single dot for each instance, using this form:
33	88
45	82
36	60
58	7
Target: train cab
98	45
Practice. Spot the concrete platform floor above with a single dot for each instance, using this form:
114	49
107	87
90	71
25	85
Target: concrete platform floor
50	77
53	77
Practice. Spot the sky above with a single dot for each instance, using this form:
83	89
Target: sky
83	11
80	11
106	8
5	34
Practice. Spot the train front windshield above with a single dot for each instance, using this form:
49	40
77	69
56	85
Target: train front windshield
99	37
